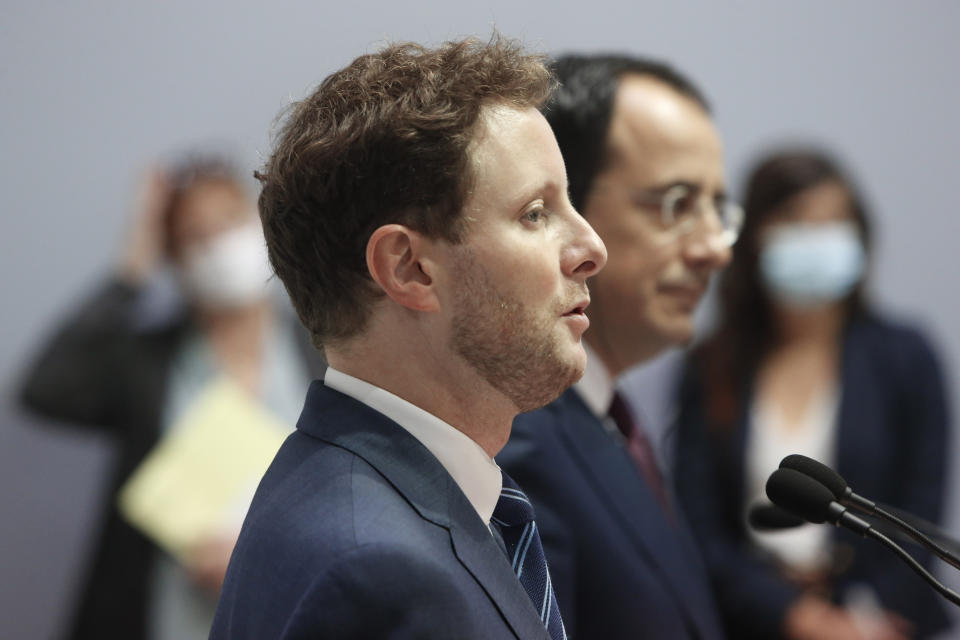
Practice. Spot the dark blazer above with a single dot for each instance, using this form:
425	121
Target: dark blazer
102	372
620	567
357	531
891	443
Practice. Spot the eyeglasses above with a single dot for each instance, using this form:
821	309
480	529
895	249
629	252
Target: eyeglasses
681	207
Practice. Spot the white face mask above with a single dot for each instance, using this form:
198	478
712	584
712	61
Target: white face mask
805	265
230	271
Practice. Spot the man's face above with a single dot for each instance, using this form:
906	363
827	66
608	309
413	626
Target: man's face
518	281
644	299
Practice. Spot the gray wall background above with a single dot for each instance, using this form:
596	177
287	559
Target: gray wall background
92	92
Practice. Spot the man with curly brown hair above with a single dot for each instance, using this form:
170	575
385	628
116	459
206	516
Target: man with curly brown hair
415	207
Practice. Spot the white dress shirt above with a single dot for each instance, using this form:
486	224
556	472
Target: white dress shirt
477	475
596	389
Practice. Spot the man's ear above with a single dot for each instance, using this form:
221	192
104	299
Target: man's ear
395	259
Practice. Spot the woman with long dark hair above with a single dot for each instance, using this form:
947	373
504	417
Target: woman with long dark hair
800	363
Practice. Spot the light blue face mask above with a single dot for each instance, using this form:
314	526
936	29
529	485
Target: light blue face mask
805	265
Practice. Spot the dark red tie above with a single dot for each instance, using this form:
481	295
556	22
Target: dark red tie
639	448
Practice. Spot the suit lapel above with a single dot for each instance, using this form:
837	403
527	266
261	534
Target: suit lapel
481	555
423	482
621	489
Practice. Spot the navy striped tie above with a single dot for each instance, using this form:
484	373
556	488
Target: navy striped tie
514	514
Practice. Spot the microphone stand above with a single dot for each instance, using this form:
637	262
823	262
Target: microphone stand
813	501
941	588
918	536
834	482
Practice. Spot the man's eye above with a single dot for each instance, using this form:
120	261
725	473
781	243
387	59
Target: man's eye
684	205
535	215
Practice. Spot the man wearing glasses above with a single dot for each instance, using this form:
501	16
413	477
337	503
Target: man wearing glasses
645	168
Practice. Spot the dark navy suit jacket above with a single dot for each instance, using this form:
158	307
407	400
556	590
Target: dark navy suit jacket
357	531
620	567
891	442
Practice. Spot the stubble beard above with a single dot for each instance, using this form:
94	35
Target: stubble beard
511	346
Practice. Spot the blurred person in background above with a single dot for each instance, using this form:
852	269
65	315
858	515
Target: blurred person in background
801	363
645	165
108	368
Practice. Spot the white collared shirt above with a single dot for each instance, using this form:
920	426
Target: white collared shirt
596	389
477	475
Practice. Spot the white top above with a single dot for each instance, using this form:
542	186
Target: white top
477	475
770	440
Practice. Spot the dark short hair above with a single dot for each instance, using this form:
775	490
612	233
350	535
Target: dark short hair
384	140
581	109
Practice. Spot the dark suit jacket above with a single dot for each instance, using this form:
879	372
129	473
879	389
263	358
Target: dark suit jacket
99	371
620	568
357	531
891	443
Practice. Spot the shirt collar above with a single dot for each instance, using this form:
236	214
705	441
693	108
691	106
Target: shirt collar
596	387
477	475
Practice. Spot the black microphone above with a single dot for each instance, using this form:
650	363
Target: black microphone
770	517
838	487
828	478
805	497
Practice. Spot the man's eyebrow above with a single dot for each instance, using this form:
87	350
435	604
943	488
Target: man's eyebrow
692	187
546	188
554	186
663	187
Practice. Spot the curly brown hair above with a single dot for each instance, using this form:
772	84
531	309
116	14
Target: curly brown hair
384	140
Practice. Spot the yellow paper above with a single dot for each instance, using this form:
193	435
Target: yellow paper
190	485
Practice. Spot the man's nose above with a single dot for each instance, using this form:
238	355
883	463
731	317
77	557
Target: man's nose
586	254
709	245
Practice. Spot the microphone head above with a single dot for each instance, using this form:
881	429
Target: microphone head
770	517
818	471
799	494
